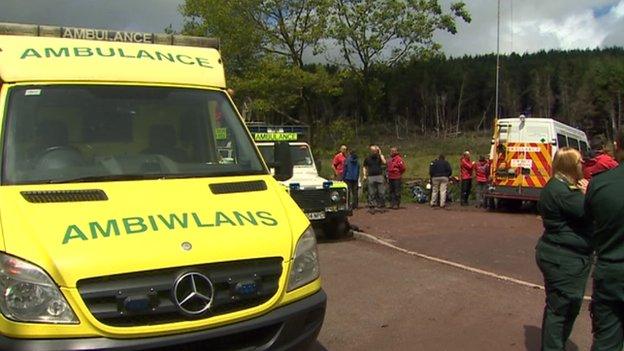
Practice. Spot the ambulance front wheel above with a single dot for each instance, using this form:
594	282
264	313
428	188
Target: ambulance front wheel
337	228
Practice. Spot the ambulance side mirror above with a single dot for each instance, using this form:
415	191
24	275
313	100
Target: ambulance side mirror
283	161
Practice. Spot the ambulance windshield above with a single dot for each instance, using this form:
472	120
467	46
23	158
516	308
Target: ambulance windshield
71	133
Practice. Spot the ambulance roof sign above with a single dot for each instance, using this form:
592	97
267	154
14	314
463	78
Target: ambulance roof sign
106	35
275	136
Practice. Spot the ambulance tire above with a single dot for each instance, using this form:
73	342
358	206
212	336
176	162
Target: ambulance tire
493	204
337	228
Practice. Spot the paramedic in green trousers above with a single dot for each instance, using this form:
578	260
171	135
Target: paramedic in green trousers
604	205
563	252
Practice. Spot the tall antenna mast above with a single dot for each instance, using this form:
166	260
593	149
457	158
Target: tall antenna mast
497	62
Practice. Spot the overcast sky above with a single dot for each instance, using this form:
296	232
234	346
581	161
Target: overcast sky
526	25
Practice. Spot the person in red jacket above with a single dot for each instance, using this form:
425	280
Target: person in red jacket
338	162
466	167
599	160
482	172
395	169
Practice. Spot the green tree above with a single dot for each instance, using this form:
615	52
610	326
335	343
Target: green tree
286	28
385	32
265	41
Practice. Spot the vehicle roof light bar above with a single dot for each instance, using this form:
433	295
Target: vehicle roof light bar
107	35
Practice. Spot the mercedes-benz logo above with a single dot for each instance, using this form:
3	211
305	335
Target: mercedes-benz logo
193	293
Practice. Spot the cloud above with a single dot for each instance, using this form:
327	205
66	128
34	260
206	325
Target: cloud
526	25
533	25
139	15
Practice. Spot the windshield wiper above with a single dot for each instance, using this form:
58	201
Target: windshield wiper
148	176
112	177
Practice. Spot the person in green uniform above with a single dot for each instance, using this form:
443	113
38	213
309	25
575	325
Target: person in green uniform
604	205
563	251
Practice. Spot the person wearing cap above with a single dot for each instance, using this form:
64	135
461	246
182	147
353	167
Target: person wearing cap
338	162
563	252
599	160
605	208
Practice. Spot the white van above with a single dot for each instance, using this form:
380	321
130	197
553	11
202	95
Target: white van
522	153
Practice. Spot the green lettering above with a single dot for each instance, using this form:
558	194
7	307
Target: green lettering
221	217
267	218
131	224
30	53
203	62
173	218
83	52
240	217
199	222
143	53
111	227
168	56
187	59
152	221
77	234
123	54
49	52
111	52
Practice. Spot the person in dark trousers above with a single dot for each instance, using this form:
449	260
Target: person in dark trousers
373	176
351	176
396	168
466	167
563	253
439	171
599	160
604	206
482	175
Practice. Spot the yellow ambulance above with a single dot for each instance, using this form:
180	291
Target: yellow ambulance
122	227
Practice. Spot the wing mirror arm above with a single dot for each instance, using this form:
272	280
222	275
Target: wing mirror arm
283	164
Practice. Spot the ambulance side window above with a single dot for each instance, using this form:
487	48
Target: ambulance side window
561	141
573	143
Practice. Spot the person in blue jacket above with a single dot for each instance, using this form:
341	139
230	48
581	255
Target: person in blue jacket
351	176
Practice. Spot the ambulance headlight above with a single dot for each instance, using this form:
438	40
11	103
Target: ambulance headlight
305	266
335	196
30	295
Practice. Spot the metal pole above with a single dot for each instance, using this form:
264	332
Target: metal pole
497	62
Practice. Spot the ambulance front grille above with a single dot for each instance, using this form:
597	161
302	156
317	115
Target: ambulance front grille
147	298
311	200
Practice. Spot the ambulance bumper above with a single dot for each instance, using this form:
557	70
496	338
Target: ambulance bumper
292	327
516	193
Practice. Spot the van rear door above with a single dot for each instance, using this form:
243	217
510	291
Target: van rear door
523	154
